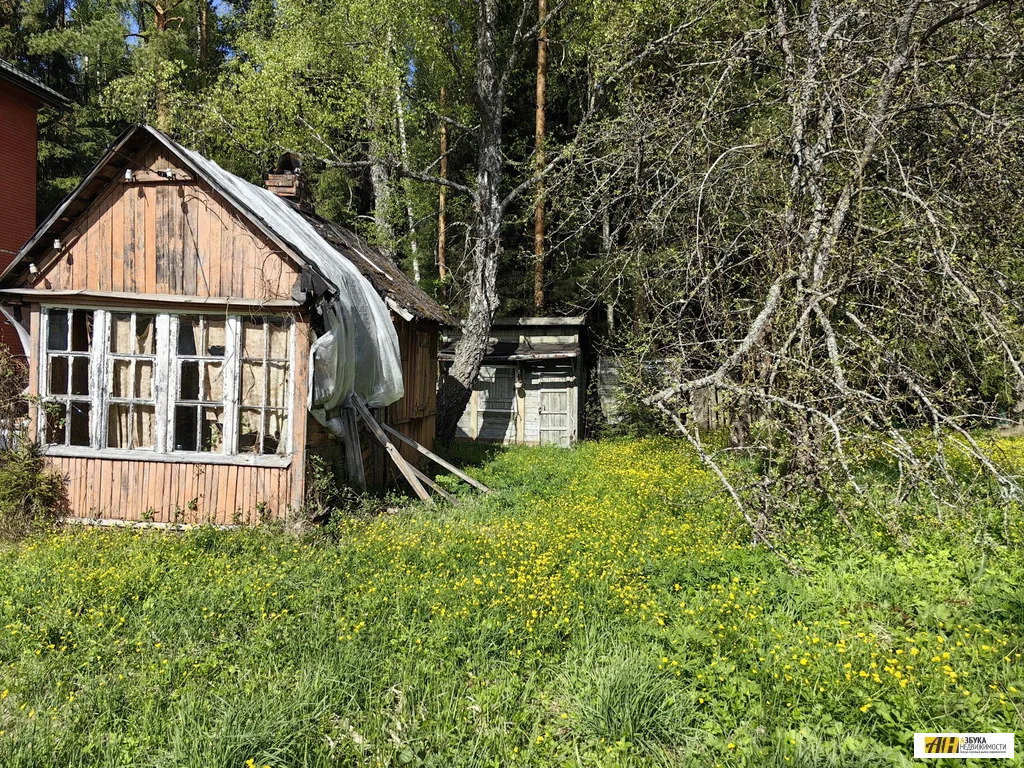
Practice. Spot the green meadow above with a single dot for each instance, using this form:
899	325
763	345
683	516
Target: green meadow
603	608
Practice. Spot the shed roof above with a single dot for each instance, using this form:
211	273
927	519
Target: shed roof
32	85
311	240
538	321
502	350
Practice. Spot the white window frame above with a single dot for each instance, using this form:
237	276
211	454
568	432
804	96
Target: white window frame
108	361
165	389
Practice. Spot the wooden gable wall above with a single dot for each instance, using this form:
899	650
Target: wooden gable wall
168	237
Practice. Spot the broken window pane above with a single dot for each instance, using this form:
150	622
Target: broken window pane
56	422
80	376
277	387
57	329
79	427
58	376
121	379
81	330
213	430
213	381
118	417
185	428
249	430
252	338
188	333
215	336
278	347
252	383
189	383
120	332
275	432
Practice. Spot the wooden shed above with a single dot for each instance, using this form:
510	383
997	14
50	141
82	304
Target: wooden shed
169	321
531	385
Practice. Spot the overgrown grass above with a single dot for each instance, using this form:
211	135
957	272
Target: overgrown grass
602	609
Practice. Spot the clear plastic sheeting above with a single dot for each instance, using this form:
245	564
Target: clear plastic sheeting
359	351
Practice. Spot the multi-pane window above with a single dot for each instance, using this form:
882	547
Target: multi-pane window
68	386
188	384
130	394
264	392
199	365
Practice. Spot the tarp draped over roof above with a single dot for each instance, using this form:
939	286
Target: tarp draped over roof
359	353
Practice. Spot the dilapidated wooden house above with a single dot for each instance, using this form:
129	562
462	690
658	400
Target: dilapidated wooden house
183	325
531	384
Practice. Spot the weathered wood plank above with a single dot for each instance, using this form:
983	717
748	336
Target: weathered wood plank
150	214
396	457
191	237
437	459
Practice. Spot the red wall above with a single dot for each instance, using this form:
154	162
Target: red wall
17	181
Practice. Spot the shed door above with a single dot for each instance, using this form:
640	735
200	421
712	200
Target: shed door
554	417
497	403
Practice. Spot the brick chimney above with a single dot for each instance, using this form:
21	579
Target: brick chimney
288	182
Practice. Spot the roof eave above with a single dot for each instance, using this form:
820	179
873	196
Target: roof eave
31	85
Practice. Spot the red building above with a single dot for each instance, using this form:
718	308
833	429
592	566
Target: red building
20	98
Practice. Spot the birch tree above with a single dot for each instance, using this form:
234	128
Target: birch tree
798	196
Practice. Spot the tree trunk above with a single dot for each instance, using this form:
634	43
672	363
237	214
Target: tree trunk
380	183
404	146
442	197
163	111
606	252
539	132
203	22
456	386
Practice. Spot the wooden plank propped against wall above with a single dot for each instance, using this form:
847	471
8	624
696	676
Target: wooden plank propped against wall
396	457
437	459
431	484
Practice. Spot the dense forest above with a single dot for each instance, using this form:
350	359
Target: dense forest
812	207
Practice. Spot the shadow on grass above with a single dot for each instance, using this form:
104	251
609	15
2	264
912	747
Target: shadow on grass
470	453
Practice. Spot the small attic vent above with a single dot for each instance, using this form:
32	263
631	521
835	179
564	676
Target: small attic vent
288	182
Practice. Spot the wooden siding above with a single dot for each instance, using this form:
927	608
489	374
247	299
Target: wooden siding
415	415
165	237
487	418
168	492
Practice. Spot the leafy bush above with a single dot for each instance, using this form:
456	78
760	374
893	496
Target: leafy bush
31	498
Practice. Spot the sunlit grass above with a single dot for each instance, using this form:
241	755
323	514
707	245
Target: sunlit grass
602	608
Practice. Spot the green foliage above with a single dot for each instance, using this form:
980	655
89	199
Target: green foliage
31	496
602	608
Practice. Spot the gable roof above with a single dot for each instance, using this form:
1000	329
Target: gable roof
32	85
310	240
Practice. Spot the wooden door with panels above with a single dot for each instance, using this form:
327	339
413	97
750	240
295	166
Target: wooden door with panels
555	419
